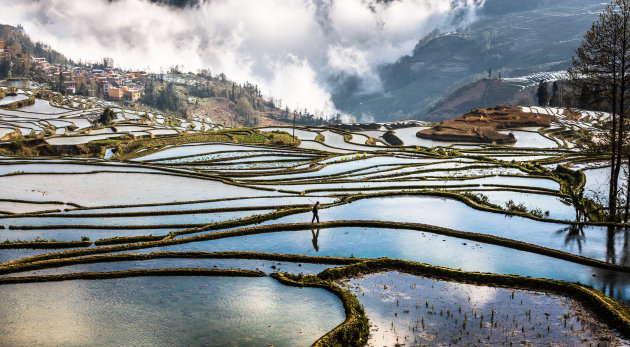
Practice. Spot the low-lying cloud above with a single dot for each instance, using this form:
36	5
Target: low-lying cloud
290	48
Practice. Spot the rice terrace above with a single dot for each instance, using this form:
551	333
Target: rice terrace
221	218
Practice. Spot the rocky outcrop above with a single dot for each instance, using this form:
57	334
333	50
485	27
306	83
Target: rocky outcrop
482	125
466	134
392	139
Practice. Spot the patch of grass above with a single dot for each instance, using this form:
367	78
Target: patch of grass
320	138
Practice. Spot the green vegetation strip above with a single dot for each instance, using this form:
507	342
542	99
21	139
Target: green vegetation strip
119	240
355	329
109	258
489	239
130	149
132	273
159	213
255	153
615	314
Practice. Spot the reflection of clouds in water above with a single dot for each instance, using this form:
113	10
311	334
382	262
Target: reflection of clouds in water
163	311
480	297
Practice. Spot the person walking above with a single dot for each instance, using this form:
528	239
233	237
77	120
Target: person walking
315	212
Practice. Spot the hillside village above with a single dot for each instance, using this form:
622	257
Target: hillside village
110	83
186	95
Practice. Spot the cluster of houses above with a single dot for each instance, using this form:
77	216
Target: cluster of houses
114	84
3	49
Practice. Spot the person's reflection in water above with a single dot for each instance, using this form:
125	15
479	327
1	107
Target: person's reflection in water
315	236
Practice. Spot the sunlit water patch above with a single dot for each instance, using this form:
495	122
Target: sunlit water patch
410	310
530	139
173	311
418	246
196	149
594	242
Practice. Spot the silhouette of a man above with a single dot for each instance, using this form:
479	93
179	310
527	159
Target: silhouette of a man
315	212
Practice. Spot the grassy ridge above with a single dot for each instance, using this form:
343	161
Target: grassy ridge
615	314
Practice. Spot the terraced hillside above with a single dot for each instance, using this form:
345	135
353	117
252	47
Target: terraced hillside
174	233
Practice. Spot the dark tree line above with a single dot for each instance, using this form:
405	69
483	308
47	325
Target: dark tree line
601	66
163	96
558	97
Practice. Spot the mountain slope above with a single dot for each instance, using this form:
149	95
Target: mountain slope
513	40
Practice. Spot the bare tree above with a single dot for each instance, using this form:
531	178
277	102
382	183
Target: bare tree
603	62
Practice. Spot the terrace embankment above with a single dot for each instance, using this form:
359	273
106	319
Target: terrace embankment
482	125
125	146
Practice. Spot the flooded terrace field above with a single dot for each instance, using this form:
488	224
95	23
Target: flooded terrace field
424	243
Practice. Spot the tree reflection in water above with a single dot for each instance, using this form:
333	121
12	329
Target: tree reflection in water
575	235
612	254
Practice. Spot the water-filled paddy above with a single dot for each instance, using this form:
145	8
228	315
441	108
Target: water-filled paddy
421	184
35	167
418	246
346	164
102	221
337	141
174	311
556	207
196	149
177	185
411	310
530	139
25	207
286	201
321	147
590	241
9	99
111	188
73	234
597	179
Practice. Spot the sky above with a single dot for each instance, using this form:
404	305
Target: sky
292	49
